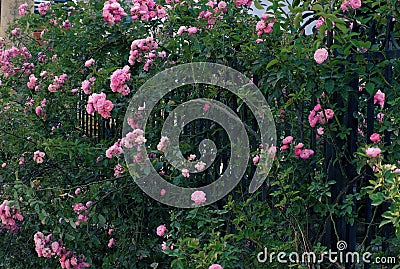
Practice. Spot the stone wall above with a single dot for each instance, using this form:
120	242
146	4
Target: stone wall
9	11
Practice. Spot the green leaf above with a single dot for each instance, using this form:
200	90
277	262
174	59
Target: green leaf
102	220
271	63
384	222
329	85
370	87
258	5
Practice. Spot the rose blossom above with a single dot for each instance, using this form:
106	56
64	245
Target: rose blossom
320	55
373	152
198	197
375	138
161	230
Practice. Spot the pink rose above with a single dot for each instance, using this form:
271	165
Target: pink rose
161	230
89	62
185	173
198	197
287	140
375	138
320	55
111	242
192	30
373	152
355	3
256	159
379	98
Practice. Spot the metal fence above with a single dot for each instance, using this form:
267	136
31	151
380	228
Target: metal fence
346	183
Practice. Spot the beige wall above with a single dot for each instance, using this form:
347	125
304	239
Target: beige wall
9	10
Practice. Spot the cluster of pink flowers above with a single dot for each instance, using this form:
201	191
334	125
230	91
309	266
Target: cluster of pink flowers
47	247
379	98
264	26
98	102
162	145
215	12
286	142
32	82
8	65
215	266
39	109
57	83
320	55
118	170
66	25
317	115
86	84
38	156
113	12
198	197
191	30
301	152
82	211
9	215
144	49
350	3
22	9
373	152
16	32
134	139
118	80
146	10
115	150
43	8
243	3
319	22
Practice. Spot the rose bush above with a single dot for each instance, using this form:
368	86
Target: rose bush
67	198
